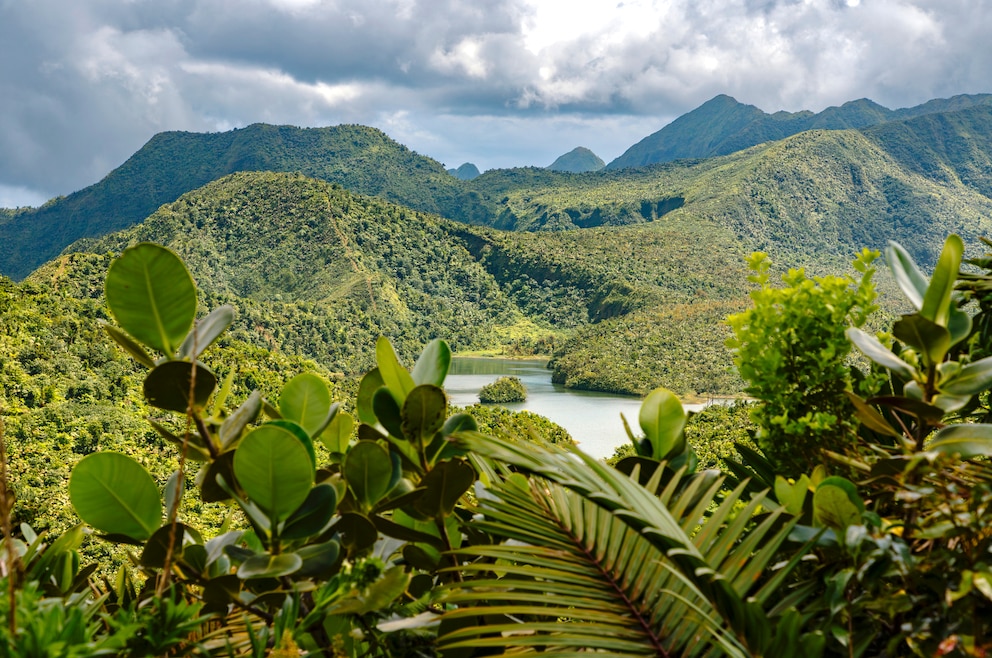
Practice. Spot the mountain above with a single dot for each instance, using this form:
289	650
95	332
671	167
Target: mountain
466	171
722	126
173	163
577	161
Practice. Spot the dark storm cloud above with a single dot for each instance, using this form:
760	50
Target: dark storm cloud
498	82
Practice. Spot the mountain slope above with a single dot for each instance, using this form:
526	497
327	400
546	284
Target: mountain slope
577	161
722	126
173	163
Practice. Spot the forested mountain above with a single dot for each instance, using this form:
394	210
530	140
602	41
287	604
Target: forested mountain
904	172
577	161
723	125
173	163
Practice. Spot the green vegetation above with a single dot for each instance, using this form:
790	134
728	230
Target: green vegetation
577	161
398	528
504	389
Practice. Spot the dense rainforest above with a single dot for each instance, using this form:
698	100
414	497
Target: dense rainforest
224	429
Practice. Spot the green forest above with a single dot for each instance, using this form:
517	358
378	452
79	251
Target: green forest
223	499
224	429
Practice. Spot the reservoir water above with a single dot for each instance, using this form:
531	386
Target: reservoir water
592	418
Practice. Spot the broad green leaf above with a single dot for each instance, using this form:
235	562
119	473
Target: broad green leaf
152	296
432	366
792	495
937	300
116	495
909	278
206	331
836	504
301	435
207	479
423	413
269	566
874	350
157	545
950	403
371	382
971	379
444	486
313	516
662	419
274	469
338	434
319	560
306	401
368	469
387	410
926	336
394	376
966	440
356	532
958	325
130	346
168	386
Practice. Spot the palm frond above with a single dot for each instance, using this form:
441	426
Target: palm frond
597	562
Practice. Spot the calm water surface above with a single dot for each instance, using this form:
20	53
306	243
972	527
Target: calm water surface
592	418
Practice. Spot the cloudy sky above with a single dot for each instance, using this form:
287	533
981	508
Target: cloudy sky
500	83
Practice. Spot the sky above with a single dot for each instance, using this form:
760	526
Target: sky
499	83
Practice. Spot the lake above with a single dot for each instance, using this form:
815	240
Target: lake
592	418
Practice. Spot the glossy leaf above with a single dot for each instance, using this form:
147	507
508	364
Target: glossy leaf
115	494
958	325
300	434
269	566
371	382
927	337
338	433
444	486
306	400
965	440
152	296
663	420
206	331
874	350
423	413
274	469
157	545
168	385
909	278
394	375
971	379
937	300
368	469
432	366
313	516
388	412
319	560
130	346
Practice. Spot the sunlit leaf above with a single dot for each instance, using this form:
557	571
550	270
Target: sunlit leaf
115	494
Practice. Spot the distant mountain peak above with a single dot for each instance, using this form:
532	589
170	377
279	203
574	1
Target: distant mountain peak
467	171
577	161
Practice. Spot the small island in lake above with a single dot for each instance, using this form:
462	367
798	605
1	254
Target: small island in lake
504	389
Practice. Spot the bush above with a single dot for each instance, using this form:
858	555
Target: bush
504	389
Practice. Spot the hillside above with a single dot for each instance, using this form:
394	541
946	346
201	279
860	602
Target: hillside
170	164
723	125
577	161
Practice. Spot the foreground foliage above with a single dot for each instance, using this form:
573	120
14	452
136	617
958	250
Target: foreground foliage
402	530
